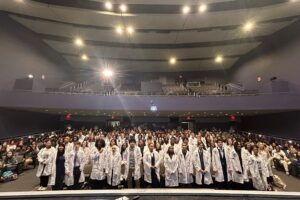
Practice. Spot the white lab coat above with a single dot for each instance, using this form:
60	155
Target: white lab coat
259	180
217	166
171	170
69	164
236	167
137	162
69	147
45	158
193	142
99	163
52	177
245	157
147	165
113	168
185	168
207	165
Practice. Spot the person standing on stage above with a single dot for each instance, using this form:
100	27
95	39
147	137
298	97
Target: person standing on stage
75	162
221	166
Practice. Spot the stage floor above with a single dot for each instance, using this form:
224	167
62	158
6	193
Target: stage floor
151	194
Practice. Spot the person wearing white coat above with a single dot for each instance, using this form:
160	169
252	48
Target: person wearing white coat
45	158
258	170
246	153
75	162
185	168
58	168
99	161
221	166
237	164
113	167
132	159
202	163
171	163
151	161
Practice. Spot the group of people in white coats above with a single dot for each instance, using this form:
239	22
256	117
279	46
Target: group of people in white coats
171	161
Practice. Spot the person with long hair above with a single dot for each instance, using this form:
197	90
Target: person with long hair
99	162
58	168
171	163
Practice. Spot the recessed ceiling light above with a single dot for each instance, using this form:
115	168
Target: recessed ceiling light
30	76
173	61
84	57
107	73
43	77
248	26
202	8
123	8
119	30
78	42
130	30
219	59
19	1
108	5
186	9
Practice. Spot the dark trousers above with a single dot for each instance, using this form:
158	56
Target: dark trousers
131	183
44	181
223	185
59	182
98	184
76	174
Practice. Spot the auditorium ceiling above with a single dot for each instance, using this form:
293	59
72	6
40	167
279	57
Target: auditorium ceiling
199	35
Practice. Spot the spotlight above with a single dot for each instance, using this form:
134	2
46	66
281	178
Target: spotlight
130	30
108	5
30	76
202	8
173	61
119	30
219	59
248	26
186	9
78	42
123	8
107	73
43	77
84	57
19	1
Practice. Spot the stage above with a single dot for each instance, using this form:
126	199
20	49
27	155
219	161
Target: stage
150	194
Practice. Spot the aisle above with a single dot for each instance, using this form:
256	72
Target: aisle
27	181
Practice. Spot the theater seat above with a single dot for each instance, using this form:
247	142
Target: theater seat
277	165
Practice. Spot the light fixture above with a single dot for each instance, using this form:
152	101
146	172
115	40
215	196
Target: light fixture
219	59
186	9
108	5
202	8
19	1
173	61
123	8
84	57
130	30
119	30
30	76
43	77
107	73
248	26
78	42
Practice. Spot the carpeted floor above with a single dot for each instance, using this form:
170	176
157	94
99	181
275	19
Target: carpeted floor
27	181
